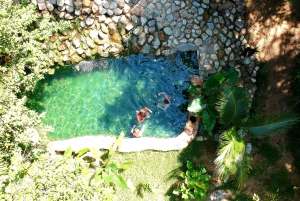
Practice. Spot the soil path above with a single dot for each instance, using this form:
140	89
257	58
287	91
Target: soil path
274	28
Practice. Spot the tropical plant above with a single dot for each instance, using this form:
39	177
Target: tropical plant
222	100
194	182
65	177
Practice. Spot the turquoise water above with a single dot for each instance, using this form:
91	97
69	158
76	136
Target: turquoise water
105	100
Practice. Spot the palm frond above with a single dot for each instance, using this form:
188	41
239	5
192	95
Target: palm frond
243	169
234	104
231	151
273	124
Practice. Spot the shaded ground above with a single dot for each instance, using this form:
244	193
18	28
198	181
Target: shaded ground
274	29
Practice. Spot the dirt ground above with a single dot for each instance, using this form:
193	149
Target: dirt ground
274	28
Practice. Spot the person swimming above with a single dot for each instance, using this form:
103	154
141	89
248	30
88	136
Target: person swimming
136	132
143	114
165	103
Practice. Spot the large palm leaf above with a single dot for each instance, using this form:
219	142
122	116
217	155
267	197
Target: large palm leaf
233	105
231	151
273	124
243	169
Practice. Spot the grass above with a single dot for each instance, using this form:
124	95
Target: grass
153	173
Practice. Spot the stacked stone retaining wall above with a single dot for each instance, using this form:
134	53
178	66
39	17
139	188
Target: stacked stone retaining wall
215	29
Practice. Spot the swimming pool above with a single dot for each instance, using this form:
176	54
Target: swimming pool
101	97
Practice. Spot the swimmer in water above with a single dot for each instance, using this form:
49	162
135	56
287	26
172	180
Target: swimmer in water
136	132
165	103
143	114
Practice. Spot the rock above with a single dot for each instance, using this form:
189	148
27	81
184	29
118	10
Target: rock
156	43
86	11
102	11
186	47
61	15
142	38
77	12
104	28
98	42
60	2
49	6
128	26
112	28
138	30
93	33
52	1
89	21
68	16
116	37
61	47
69	9
168	31
86	3
226	6
42	6
76	42
95	8
117	11
98	2
146	49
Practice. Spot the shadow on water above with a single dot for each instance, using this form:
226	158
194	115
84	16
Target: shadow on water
130	83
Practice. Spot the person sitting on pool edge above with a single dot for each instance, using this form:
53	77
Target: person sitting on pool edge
136	132
166	102
143	114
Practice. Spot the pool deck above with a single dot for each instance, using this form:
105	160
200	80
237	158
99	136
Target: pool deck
135	144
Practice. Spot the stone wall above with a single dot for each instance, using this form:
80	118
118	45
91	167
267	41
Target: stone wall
216	29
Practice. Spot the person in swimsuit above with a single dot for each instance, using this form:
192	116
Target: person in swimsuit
165	103
143	114
137	132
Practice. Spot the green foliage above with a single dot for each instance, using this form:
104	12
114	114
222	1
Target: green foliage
22	38
143	188
209	120
272	124
233	105
196	105
233	161
64	177
222	99
28	171
194	183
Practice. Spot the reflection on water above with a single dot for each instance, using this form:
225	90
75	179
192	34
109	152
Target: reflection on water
102	97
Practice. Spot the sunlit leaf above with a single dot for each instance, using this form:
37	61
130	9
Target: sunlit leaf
126	165
96	153
68	152
119	181
196	105
82	151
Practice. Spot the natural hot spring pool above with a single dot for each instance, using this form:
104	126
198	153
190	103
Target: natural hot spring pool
104	101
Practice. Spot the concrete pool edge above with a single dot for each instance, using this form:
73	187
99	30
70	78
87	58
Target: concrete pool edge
135	144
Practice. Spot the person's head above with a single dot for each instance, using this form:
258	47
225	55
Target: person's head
193	119
166	101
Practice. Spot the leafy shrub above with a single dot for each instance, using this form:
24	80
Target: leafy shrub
221	99
194	182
